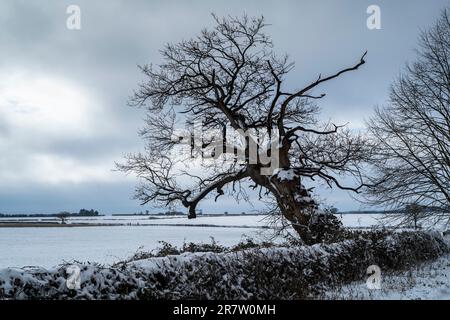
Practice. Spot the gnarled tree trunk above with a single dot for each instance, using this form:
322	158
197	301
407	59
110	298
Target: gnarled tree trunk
296	204
293	199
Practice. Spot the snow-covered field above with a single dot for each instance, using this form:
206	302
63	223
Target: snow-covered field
115	238
349	220
110	239
48	247
122	236
429	281
241	220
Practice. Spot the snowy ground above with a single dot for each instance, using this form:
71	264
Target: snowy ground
429	281
48	247
241	220
115	238
349	220
122	236
248	220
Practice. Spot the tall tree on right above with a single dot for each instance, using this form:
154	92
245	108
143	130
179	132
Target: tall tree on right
412	131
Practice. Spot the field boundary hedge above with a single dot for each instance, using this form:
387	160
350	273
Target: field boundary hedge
259	273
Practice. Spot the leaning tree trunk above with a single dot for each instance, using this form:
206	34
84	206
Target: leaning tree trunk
296	205
293	199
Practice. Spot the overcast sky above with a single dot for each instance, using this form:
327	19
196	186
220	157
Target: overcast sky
63	93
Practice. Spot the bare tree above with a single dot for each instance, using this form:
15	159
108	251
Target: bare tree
408	217
229	77
415	213
412	132
63	216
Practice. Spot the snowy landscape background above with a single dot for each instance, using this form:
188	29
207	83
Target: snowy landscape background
106	240
66	125
119	237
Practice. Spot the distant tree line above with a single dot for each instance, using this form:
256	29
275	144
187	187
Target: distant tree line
81	213
84	212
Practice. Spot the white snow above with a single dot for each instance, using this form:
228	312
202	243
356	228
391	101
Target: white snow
48	247
303	198
429	281
286	174
248	220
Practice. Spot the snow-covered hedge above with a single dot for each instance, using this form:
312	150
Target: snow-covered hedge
261	273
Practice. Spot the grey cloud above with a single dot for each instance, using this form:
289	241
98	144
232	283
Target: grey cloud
320	37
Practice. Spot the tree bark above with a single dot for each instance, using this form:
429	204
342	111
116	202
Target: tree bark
296	205
293	199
